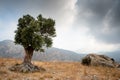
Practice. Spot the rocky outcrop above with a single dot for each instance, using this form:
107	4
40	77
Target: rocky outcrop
98	60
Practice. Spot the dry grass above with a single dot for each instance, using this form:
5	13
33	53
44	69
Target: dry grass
58	71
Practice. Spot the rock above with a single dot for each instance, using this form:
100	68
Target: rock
118	66
98	60
26	67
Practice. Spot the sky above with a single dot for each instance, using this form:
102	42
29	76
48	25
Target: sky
84	26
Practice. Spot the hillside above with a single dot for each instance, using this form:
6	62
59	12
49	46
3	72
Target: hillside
9	50
58	71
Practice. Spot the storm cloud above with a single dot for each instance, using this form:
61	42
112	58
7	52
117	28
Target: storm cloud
84	25
102	17
62	11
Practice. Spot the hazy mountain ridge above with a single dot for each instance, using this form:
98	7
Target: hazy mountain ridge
114	54
10	50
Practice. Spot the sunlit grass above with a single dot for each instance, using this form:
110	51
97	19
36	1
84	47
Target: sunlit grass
58	71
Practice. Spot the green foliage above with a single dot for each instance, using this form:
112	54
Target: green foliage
35	33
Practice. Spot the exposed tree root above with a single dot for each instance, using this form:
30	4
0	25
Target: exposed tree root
26	67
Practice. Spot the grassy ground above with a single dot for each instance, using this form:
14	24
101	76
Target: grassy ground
58	71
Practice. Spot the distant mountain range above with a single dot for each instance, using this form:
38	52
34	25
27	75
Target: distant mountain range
114	54
8	49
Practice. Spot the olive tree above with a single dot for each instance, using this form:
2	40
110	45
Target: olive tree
34	34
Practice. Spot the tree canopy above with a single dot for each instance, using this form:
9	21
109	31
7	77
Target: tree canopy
35	33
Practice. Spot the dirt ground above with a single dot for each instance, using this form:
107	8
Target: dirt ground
58	71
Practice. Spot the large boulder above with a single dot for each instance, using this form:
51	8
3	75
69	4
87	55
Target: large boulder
98	60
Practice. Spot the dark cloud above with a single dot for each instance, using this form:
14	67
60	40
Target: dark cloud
114	15
62	11
102	17
51	7
57	9
94	10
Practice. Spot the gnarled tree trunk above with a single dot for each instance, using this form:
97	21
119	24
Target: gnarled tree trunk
28	55
27	66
